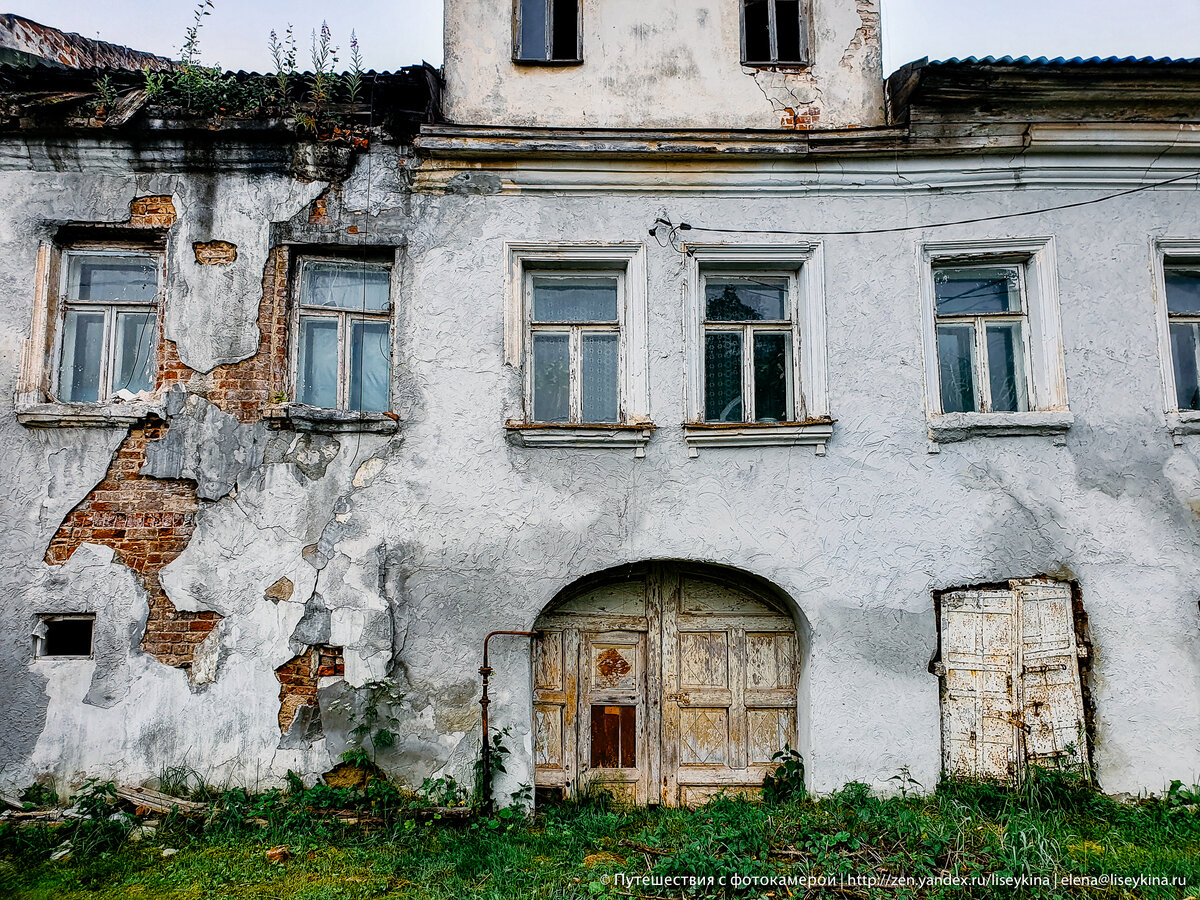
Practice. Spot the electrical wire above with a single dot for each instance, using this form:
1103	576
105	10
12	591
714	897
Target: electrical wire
673	230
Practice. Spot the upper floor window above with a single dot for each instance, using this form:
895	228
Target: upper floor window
993	341
749	359
109	324
547	31
1182	282
343	335
774	32
981	338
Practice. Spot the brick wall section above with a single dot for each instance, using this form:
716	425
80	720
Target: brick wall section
801	120
298	679
148	522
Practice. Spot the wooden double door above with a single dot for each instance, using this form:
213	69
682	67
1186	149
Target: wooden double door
663	684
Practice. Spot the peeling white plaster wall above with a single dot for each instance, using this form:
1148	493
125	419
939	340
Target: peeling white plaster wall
669	64
407	550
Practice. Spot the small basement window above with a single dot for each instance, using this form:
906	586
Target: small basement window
614	737
64	636
547	31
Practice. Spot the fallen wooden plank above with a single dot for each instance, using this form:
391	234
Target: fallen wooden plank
158	801
12	801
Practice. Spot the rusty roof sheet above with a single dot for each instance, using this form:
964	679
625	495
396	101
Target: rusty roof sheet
31	43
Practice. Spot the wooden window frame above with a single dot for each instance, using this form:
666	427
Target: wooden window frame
804	265
980	368
805	38
520	59
626	260
1048	412
344	318
1166	252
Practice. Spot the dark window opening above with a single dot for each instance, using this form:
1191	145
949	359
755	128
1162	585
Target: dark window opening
614	737
548	30
773	31
66	636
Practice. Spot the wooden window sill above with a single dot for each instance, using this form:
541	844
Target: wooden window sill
813	433
636	436
299	417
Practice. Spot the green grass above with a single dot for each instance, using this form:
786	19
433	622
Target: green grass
1050	828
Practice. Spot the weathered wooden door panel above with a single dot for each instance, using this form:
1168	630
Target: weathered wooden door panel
1011	691
682	688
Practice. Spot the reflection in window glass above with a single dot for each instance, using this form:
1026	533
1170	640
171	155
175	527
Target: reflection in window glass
1006	374
317	368
1183	314
551	377
772	362
131	370
955	343
83	343
1183	290
113	279
745	299
1183	354
723	376
599	373
370	349
341	285
559	299
977	290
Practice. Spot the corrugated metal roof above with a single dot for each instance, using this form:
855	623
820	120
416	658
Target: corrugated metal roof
1063	61
33	44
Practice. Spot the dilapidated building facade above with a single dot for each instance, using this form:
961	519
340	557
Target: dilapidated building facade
788	405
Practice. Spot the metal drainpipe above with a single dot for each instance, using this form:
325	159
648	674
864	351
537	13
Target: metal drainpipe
485	670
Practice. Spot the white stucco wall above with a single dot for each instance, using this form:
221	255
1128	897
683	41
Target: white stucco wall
454	531
667	64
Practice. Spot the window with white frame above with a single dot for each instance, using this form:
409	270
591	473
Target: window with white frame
574	372
756	338
343	346
774	32
108	330
1181	280
750	371
982	335
547	31
993	340
575	326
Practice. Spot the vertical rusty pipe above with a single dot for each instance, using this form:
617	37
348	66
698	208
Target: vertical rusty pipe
485	670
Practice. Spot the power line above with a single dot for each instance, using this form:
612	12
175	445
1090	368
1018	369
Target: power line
684	226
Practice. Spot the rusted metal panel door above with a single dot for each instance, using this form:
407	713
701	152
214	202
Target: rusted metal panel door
1049	691
729	700
978	723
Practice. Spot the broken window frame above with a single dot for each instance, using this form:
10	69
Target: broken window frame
1047	409
346	318
803	265
979	323
40	636
110	310
626	260
520	54
804	39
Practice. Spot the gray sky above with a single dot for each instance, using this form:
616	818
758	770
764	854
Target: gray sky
395	33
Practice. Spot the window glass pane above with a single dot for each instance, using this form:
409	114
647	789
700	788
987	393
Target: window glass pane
83	344
1183	354
134	346
955	345
317	368
745	299
346	285
370	349
551	377
772	363
127	279
1006	369
566	21
758	31
978	289
533	29
723	376
1183	290
574	299
787	30
599	377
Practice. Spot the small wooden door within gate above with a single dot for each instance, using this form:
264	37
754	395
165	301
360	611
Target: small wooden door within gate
668	685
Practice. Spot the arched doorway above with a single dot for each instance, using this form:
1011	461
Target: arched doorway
666	683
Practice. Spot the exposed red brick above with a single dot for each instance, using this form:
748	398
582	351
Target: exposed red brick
214	253
152	212
298	679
